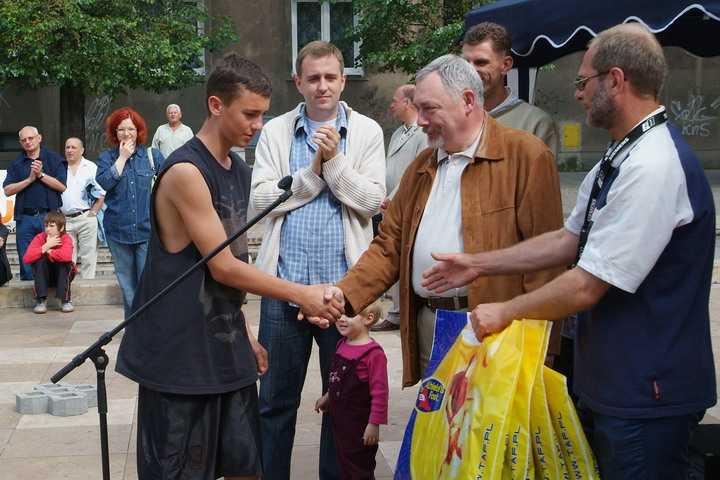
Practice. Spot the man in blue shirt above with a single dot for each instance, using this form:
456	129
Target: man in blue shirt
337	160
37	178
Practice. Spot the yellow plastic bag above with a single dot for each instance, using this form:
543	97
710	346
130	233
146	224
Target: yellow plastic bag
579	459
518	453
463	406
547	454
485	412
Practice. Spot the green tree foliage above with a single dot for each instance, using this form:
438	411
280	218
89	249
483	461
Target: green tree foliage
91	47
405	35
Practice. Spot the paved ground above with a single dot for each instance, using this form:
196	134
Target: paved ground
34	347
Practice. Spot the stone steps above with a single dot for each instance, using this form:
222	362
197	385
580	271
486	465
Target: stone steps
105	265
103	290
98	291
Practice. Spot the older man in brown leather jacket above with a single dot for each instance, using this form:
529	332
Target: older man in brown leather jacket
481	187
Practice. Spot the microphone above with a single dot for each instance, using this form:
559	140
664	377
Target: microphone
285	183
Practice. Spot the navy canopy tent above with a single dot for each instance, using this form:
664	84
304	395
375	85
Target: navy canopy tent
544	30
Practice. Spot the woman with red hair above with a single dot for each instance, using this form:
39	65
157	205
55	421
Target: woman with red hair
126	172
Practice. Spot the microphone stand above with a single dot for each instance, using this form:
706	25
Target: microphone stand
96	353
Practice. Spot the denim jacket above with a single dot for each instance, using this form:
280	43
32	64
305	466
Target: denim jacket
127	216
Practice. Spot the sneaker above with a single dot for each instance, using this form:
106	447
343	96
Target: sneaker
67	307
40	305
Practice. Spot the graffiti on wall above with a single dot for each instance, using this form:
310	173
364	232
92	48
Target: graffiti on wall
95	136
696	117
552	101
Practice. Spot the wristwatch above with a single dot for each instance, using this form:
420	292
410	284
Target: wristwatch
94	214
42	174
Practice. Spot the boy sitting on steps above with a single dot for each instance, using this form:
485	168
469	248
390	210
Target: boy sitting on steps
50	255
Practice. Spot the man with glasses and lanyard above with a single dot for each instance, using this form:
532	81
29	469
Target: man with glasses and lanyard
37	178
642	236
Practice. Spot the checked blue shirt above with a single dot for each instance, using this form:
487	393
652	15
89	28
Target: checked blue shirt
312	240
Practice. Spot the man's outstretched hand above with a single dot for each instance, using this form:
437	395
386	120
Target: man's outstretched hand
330	308
452	270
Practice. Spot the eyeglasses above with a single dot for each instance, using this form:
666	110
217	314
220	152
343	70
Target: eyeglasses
580	82
126	130
28	139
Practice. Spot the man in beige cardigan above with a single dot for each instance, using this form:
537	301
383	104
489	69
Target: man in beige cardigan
337	159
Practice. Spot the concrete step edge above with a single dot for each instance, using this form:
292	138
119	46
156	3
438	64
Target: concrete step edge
99	291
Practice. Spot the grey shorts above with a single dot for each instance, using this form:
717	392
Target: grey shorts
198	437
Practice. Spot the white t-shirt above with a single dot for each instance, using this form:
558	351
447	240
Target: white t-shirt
644	204
73	197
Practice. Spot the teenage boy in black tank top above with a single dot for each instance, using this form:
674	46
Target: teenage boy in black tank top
192	353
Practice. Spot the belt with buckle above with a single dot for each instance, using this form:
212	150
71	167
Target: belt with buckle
76	214
445	303
34	213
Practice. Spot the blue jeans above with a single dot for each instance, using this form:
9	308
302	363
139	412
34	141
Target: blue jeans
639	448
289	344
26	227
129	260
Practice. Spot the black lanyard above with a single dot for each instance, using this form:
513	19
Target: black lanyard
606	169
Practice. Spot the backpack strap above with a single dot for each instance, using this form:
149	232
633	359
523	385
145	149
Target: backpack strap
152	167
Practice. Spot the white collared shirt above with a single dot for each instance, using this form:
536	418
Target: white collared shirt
440	228
73	198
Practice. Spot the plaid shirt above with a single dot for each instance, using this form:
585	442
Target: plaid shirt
312	241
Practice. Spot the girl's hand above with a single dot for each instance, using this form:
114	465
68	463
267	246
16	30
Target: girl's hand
321	405
372	434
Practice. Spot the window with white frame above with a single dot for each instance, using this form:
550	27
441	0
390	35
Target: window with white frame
323	20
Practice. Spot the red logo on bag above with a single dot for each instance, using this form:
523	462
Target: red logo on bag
431	396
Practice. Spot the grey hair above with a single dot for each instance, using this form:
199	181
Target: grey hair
35	130
456	75
173	105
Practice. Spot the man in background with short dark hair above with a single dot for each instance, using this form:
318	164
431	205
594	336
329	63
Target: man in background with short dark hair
487	47
336	156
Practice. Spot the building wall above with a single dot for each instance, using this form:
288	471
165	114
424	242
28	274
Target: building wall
692	94
264	29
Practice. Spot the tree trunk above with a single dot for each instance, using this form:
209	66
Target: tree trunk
72	112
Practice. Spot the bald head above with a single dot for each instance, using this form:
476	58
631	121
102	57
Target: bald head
28	131
30	140
402	107
74	150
